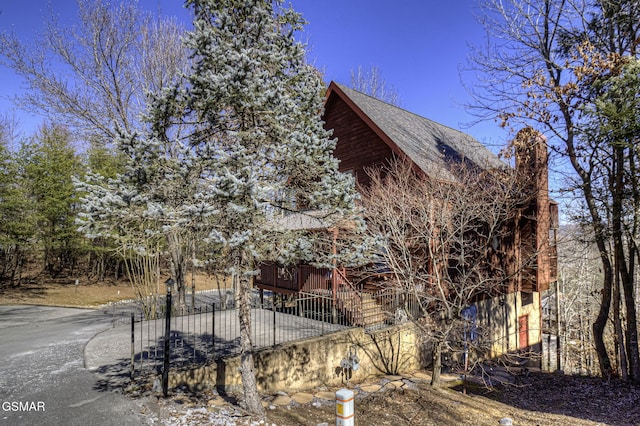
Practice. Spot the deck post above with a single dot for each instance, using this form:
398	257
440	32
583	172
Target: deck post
275	275
334	277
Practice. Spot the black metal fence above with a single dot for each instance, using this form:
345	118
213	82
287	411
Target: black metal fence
211	330
191	339
208	328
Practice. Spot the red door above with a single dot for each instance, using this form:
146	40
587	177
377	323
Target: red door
523	328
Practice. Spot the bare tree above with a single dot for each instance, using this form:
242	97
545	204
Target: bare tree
374	84
547	64
440	241
95	76
8	126
98	78
578	275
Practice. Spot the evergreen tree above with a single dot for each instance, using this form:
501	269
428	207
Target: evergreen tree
238	146
104	161
50	163
611	126
137	211
108	163
16	227
260	139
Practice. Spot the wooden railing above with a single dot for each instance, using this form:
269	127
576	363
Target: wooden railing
347	300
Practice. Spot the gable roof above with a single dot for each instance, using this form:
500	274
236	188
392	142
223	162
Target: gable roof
429	145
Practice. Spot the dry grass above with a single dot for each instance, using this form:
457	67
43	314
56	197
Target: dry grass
64	292
542	399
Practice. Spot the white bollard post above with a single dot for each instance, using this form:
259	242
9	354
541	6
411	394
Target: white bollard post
344	408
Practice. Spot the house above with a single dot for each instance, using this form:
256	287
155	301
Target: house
371	133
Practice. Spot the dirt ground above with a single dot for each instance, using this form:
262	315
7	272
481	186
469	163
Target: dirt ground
64	292
544	399
540	399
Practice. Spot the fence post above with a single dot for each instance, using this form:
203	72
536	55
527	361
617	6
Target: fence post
360	293
167	338
213	329
274	320
133	325
323	318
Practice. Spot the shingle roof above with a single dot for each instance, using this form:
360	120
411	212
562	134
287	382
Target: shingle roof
428	144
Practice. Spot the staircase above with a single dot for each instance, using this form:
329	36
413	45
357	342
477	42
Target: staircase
359	307
373	313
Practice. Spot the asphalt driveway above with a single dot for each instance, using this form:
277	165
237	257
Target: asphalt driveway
43	380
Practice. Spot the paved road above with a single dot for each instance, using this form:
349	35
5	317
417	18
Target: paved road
43	380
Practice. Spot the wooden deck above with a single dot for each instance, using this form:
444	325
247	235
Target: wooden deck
359	306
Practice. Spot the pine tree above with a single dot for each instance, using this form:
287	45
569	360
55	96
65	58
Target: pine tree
136	211
238	145
259	137
16	225
50	163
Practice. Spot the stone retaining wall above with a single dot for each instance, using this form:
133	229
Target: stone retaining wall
315	362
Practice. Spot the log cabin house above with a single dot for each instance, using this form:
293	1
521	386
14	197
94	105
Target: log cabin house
370	133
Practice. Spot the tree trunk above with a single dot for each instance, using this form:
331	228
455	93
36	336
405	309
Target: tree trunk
600	323
178	267
247	369
620	341
632	332
600	234
629	281
582	337
16	267
437	363
629	361
601	239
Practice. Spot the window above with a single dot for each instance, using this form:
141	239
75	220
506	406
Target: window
526	298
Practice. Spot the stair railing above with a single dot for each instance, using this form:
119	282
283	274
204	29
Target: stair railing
349	298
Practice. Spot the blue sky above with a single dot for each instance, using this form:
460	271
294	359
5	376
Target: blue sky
419	46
